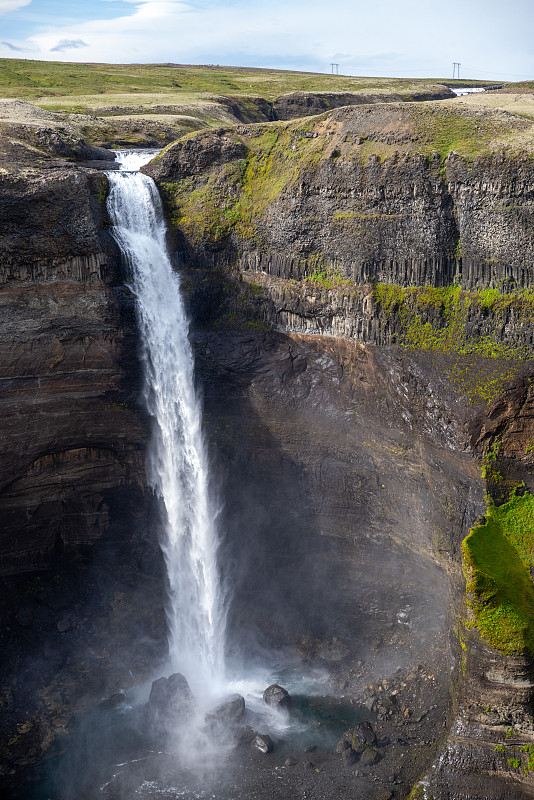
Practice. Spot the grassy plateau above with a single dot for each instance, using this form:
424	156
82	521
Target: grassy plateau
58	84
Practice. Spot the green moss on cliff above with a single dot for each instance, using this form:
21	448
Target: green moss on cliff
498	558
103	190
235	196
325	277
441	320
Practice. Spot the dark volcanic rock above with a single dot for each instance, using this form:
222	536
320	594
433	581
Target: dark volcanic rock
375	205
348	756
116	700
244	735
362	736
303	104
194	155
369	756
72	442
169	698
263	743
276	696
229	712
71	436
344	743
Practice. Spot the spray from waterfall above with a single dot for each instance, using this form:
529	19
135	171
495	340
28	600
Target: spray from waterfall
177	463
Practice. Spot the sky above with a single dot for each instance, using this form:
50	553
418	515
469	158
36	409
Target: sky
492	40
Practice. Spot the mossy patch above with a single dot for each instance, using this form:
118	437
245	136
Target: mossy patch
498	557
234	197
103	190
440	320
327	278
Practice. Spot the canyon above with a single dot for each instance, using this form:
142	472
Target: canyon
358	283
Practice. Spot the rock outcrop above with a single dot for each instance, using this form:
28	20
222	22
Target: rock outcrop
305	104
408	194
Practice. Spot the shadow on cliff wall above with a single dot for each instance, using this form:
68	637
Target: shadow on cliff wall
279	570
310	553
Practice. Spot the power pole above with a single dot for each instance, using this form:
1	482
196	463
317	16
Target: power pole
456	66
336	68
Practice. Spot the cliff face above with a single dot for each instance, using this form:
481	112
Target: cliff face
352	467
72	441
321	227
348	442
416	195
76	554
304	104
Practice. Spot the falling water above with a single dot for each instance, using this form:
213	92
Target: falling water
177	463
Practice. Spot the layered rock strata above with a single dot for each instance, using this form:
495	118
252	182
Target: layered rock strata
76	553
317	216
347	442
374	193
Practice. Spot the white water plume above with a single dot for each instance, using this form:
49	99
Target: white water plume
177	462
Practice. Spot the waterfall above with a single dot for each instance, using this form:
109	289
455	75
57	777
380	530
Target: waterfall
177	462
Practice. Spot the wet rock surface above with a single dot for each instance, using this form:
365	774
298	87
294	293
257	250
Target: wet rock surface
170	699
80	573
263	743
229	712
276	696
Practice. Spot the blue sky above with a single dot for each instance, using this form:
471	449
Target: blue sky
413	38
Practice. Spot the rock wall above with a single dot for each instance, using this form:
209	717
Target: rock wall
80	571
385	316
304	104
369	192
72	439
309	227
369	456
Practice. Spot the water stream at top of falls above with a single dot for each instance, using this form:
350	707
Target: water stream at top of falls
177	461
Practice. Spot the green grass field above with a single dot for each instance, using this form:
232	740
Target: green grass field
63	85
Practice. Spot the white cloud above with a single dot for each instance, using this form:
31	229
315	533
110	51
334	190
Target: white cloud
383	38
12	5
68	44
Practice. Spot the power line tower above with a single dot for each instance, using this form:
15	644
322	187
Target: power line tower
456	68
335	69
